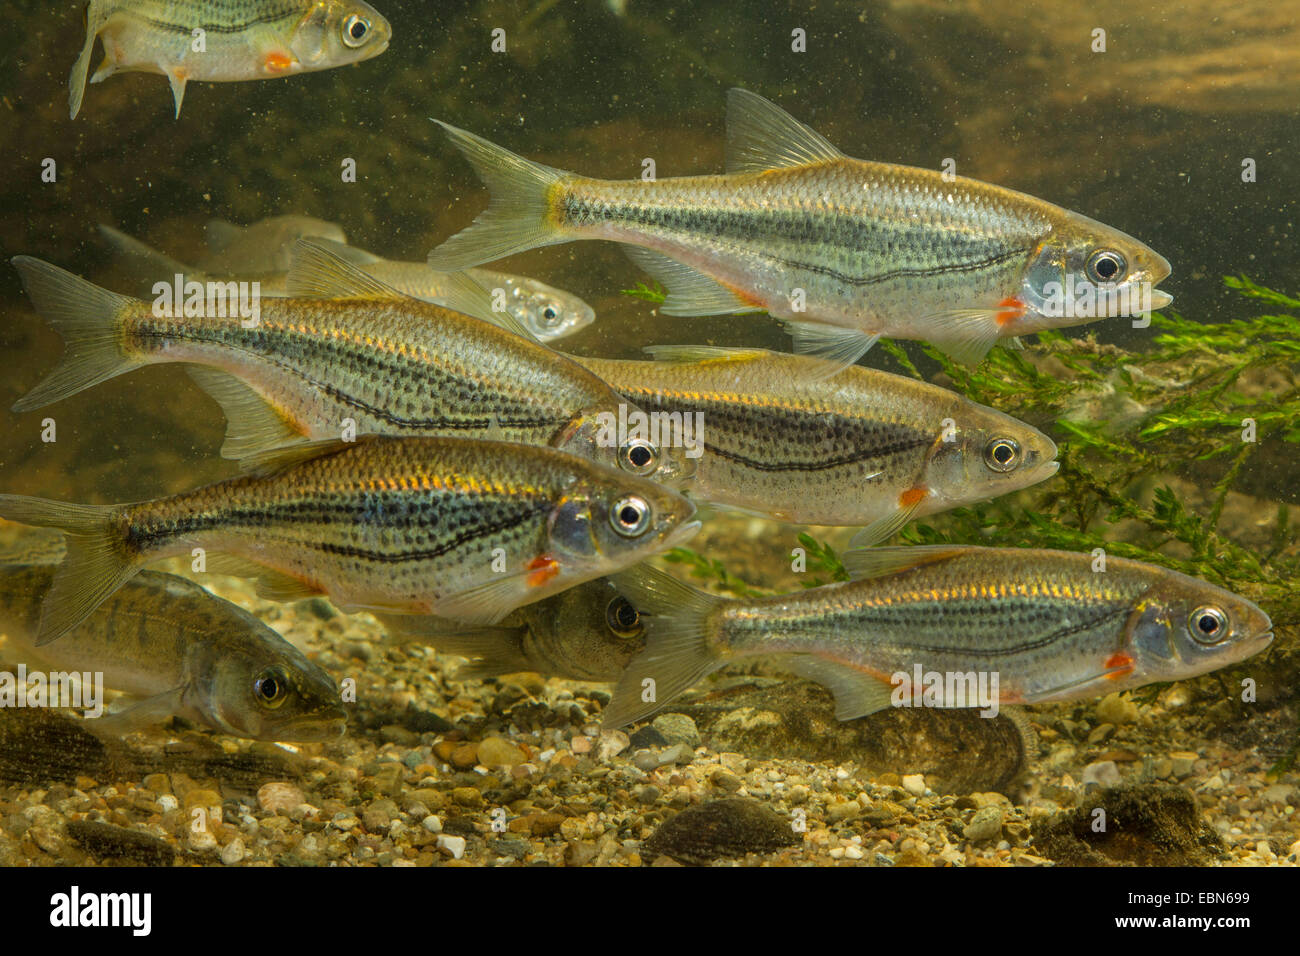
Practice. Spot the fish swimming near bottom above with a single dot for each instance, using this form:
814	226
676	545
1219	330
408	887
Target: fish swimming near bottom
454	527
179	649
946	626
589	632
220	40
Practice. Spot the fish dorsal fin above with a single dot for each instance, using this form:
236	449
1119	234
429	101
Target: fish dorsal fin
864	563
690	292
761	135
358	257
273	461
318	273
253	424
692	354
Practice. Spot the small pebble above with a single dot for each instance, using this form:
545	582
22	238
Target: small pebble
914	783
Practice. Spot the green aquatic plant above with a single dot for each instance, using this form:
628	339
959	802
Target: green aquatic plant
821	557
647	293
713	571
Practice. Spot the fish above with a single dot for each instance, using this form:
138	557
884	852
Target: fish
1045	625
784	440
589	632
225	40
546	312
345	355
451	527
840	250
180	650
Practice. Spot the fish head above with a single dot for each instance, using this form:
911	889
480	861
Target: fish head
982	453
546	312
274	694
335	32
606	521
1085	270
667	453
1182	627
591	627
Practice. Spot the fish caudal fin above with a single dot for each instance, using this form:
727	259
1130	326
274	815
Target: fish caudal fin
517	218
96	564
77	82
677	652
86	316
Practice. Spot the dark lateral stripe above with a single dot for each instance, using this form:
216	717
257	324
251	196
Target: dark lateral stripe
325	513
287	12
812	467
144	335
729	226
977	651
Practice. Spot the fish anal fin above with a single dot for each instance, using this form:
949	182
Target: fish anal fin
253	425
690	292
857	693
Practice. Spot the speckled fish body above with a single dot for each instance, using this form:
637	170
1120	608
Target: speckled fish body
856	448
222	40
374	363
1048	624
451	527
842	250
588	632
184	651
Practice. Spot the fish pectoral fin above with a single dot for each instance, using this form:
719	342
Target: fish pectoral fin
140	716
253	425
318	273
885	528
762	136
857	694
967	334
690	292
177	78
486	604
439	632
693	354
840	347
862	563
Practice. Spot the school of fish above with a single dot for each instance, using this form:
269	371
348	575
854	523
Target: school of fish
413	442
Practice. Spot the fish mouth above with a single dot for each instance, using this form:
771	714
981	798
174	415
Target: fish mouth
683	533
1160	299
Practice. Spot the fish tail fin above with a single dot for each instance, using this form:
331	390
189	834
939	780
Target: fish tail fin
677	652
97	562
86	316
77	82
519	216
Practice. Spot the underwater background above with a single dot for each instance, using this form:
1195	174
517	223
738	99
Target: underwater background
1149	137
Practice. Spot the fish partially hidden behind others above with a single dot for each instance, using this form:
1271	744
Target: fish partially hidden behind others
218	40
841	250
176	648
586	633
979	627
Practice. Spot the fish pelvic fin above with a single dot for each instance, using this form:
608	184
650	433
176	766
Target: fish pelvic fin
690	292
253	425
677	652
177	78
519	215
87	317
77	81
97	562
856	693
967	334
144	714
762	136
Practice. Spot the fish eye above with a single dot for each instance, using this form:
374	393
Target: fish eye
1106	265
271	687
1208	624
355	30
550	316
631	516
1002	454
638	456
623	619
